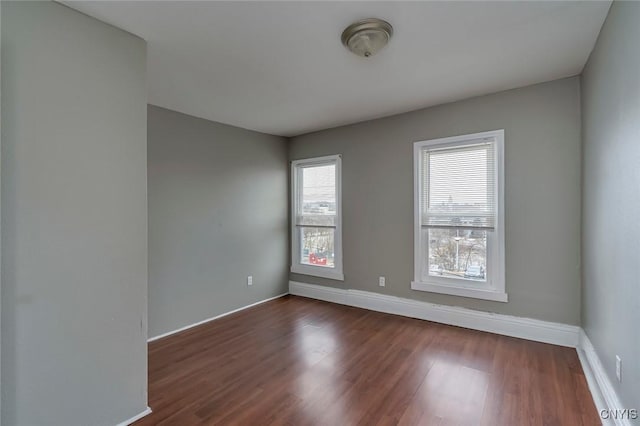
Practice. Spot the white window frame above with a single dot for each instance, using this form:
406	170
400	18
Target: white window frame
494	287
297	267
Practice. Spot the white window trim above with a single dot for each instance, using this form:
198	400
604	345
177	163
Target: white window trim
334	273
494	289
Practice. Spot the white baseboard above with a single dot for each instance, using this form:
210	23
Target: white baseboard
524	328
135	418
603	392
213	318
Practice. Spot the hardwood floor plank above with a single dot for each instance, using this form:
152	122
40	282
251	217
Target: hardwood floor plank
297	361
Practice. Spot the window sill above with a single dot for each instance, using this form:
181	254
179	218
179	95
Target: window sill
318	271
475	293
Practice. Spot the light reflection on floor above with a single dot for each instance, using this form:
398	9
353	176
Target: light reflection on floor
317	348
314	343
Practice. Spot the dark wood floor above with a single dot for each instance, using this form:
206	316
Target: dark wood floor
297	361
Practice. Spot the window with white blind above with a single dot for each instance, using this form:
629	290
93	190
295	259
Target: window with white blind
316	220
459	216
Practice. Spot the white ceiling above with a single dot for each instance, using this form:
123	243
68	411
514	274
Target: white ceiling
280	68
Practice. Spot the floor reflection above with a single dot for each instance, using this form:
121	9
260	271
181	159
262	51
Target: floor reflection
317	349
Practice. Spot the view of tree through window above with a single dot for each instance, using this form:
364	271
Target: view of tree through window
317	247
457	253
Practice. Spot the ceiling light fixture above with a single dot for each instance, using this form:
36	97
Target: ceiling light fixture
365	38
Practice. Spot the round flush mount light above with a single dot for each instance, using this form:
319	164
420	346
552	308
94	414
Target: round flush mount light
365	38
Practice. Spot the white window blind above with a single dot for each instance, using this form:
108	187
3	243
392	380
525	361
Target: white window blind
459	185
317	196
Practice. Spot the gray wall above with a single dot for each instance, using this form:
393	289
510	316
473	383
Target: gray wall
611	197
542	191
74	219
217	213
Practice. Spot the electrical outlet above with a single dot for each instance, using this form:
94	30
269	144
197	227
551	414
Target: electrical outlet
250	280
382	281
618	368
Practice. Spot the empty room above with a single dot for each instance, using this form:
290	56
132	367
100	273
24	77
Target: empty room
319	213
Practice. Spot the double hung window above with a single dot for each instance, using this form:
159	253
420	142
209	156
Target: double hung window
459	216
316	217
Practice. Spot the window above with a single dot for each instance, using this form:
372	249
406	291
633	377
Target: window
459	216
316	247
